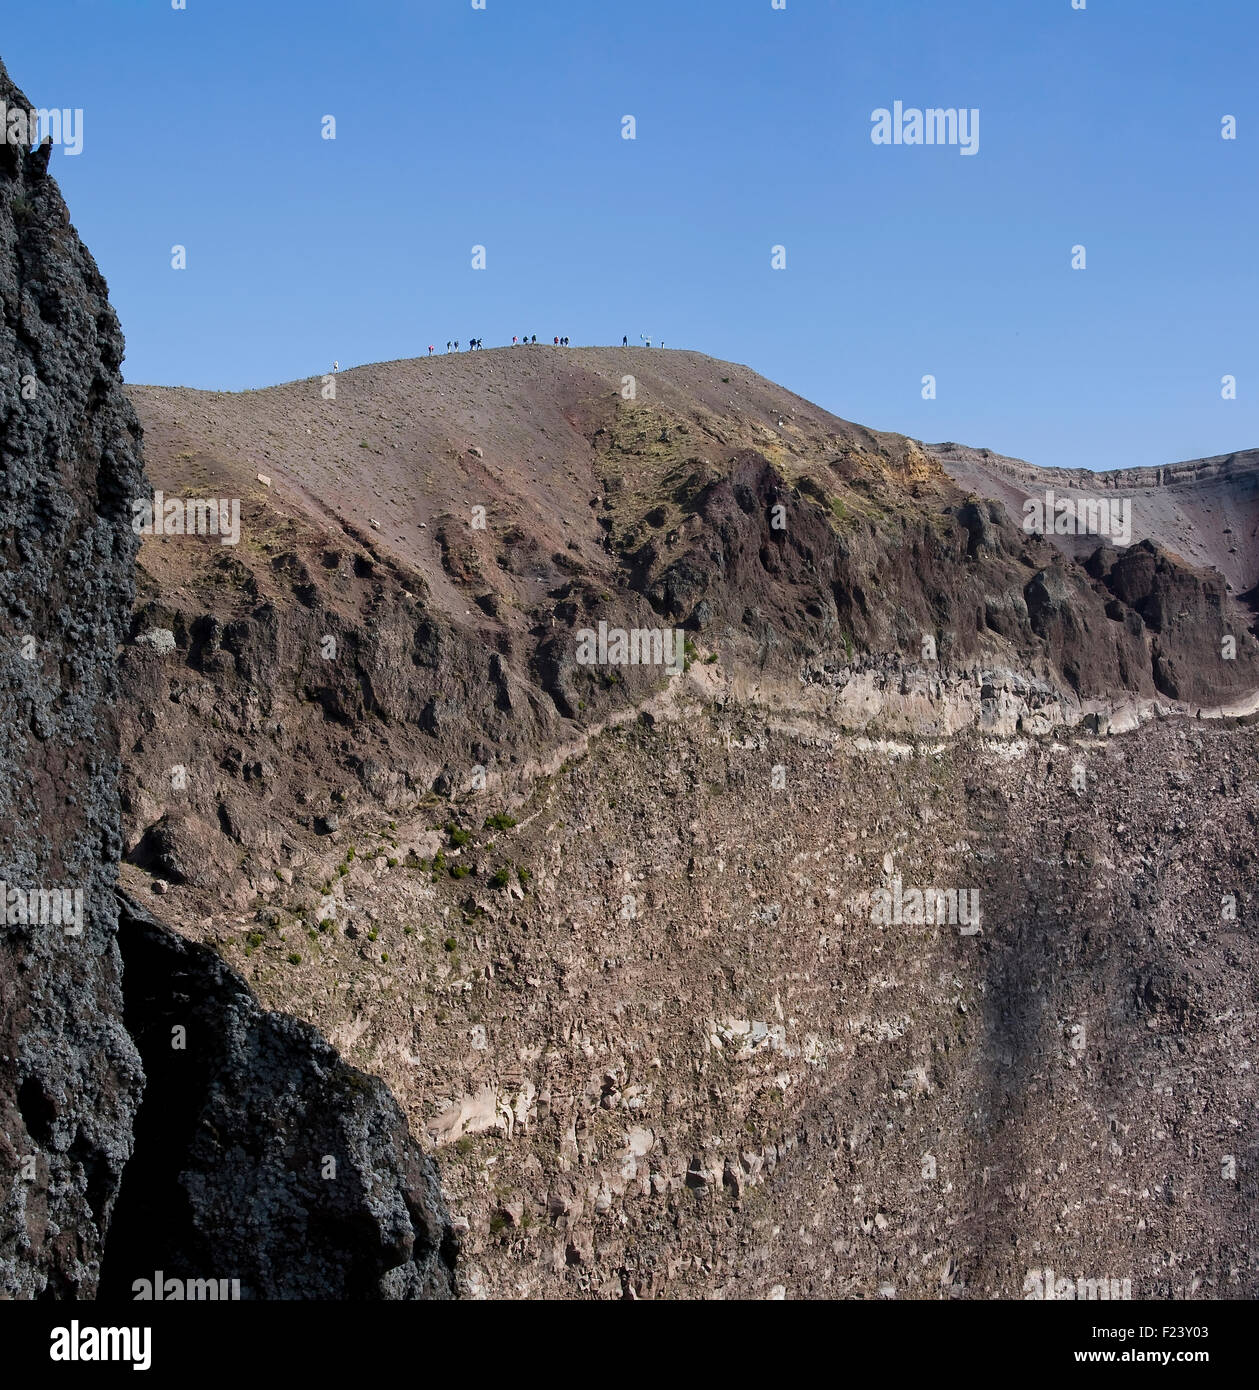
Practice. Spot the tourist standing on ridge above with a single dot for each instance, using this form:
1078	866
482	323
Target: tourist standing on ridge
430	349
625	340
513	340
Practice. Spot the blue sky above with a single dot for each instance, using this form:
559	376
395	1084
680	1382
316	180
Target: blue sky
502	127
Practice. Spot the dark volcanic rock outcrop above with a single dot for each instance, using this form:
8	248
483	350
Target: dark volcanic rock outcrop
260	1155
69	462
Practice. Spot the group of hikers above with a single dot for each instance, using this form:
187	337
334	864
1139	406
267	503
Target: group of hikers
475	344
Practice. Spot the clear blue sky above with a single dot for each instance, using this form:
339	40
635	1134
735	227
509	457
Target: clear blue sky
502	127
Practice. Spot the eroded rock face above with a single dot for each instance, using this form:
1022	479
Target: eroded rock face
260	1155
1204	511
629	981
69	462
677	1052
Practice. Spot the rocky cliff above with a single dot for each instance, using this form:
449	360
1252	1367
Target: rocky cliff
648	957
1205	510
70	1076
